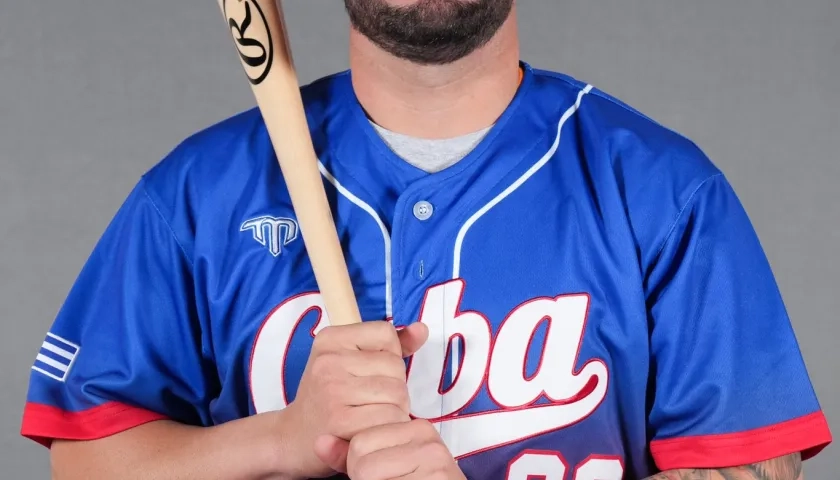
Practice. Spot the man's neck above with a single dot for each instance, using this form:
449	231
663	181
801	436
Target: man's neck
438	101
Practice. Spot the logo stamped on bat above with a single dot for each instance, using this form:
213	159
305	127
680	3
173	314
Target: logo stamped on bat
249	27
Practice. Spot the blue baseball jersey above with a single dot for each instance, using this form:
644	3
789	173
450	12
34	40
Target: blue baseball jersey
599	305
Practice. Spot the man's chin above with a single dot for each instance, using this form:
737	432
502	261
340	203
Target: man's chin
428	32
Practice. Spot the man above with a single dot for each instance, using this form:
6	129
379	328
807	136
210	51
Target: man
557	288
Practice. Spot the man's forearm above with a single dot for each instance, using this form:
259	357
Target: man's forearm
245	449
783	468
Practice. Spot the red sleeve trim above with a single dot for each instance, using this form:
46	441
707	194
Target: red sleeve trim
807	435
44	423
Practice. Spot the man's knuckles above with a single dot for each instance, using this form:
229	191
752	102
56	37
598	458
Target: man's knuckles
423	430
326	340
433	451
371	440
326	365
364	468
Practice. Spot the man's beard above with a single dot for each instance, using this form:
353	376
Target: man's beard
429	32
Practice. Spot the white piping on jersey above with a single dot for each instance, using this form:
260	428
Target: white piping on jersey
459	240
386	237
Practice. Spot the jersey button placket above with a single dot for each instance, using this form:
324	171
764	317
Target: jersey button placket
423	210
416	228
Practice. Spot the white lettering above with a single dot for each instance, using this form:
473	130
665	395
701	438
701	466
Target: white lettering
543	465
566	317
598	467
268	359
425	376
571	396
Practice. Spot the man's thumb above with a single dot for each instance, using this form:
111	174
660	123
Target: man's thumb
413	337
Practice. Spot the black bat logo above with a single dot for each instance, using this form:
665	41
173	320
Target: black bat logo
260	63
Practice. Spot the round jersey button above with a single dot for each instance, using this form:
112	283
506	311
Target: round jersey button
423	210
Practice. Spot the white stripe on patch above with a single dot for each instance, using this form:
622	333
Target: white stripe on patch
55	357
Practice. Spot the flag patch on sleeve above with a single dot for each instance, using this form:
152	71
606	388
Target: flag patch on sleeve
56	357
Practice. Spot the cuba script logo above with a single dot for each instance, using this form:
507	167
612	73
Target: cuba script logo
494	362
272	232
249	26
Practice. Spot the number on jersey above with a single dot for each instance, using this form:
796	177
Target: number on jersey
548	465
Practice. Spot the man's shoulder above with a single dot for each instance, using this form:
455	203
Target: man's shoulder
235	147
628	133
637	151
206	157
651	170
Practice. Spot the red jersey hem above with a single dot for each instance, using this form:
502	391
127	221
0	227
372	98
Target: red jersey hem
807	435
45	423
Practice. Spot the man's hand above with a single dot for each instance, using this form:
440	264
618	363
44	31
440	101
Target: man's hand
355	380
405	451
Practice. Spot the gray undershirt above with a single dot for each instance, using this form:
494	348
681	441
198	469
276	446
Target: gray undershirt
428	155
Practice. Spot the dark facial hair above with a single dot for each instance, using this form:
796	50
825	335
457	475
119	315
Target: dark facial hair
429	32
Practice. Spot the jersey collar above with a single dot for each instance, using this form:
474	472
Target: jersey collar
361	148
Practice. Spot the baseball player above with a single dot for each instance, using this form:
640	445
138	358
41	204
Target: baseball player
555	287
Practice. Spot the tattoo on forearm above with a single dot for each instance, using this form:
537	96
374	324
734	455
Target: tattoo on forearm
783	468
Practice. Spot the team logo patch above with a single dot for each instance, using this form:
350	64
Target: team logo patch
273	233
56	357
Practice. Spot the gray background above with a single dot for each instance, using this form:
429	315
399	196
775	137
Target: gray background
93	93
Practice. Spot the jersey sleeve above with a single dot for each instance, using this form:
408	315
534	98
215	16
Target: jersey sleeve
730	386
125	348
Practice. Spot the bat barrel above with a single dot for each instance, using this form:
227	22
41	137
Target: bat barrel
259	33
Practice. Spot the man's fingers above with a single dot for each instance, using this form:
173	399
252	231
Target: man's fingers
412	338
359	391
404	450
392	435
371	335
387	464
373	364
380	438
354	420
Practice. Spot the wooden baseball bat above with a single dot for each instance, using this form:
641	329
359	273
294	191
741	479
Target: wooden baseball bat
258	29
